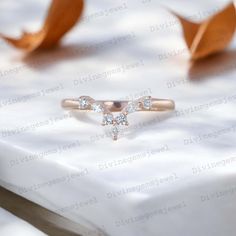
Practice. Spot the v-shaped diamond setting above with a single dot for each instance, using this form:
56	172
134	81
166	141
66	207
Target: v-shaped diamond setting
109	118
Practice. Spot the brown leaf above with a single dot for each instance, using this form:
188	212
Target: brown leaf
62	16
210	36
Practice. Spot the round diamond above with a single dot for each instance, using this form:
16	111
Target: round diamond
97	107
121	119
83	103
132	107
115	132
147	103
108	119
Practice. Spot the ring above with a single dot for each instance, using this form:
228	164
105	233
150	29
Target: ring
107	107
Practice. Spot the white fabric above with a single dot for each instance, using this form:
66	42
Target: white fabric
10	224
169	174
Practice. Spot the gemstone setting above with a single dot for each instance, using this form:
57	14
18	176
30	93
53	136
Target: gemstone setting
97	107
121	119
115	131
131	107
108	119
147	103
83	103
116	121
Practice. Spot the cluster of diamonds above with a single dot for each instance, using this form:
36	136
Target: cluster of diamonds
116	121
144	103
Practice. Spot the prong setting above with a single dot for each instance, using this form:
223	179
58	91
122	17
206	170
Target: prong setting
87	103
97	107
108	119
83	103
121	119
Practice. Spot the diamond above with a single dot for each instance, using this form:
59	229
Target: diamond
115	131
147	103
108	119
97	107
83	103
132	107
121	119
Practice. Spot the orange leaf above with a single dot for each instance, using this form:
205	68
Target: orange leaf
62	16
210	36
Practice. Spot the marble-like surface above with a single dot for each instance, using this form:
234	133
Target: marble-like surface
169	174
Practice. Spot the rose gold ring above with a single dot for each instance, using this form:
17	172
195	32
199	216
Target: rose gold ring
107	107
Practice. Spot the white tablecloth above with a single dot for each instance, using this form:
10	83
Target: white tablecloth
169	174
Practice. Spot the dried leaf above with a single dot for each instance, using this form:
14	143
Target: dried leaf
62	16
210	36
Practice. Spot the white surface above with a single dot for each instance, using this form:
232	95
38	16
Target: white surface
147	182
10	224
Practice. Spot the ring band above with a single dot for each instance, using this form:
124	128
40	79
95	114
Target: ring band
107	107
